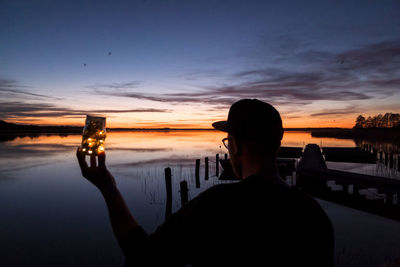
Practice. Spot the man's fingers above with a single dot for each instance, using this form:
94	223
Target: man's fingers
92	161
81	159
101	156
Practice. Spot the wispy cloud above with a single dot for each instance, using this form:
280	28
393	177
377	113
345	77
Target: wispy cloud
205	97
287	88
381	58
336	112
364	73
199	74
11	86
137	110
118	85
17	109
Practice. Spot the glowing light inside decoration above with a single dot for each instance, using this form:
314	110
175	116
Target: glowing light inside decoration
94	134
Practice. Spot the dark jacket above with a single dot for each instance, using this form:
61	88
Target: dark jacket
256	222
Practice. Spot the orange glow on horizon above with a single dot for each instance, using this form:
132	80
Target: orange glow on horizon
113	122
168	142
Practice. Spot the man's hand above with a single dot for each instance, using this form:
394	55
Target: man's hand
97	175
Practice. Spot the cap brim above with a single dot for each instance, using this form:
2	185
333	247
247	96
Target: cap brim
221	125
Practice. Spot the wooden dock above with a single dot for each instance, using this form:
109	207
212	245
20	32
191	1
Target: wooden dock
348	154
306	169
313	177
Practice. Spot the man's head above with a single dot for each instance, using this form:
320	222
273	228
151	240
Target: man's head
254	131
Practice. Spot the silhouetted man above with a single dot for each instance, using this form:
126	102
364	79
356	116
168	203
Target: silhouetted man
259	221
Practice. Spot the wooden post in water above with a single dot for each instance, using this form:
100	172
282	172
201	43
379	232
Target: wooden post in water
197	173
217	165
386	158
184	192
206	168
226	156
168	184
380	156
375	152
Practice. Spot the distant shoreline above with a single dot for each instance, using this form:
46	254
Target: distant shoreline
9	131
11	128
78	130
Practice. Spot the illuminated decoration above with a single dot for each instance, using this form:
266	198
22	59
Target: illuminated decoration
101	148
94	135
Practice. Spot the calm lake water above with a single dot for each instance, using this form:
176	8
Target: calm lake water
51	216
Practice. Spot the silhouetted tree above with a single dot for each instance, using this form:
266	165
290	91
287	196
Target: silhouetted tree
395	120
360	122
389	120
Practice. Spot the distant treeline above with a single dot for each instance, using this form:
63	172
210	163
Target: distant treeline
389	120
6	127
377	128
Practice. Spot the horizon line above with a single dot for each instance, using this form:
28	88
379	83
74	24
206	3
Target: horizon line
164	128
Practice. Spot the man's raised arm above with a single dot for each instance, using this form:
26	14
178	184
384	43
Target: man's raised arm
121	218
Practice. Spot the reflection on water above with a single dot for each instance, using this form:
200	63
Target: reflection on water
378	169
300	139
135	147
381	145
51	216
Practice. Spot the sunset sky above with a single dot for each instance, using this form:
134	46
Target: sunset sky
183	63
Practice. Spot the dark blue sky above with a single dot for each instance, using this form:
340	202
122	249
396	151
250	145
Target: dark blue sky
182	63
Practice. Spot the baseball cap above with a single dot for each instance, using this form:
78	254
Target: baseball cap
252	119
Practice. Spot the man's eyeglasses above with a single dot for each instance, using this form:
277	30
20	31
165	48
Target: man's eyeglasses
225	141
